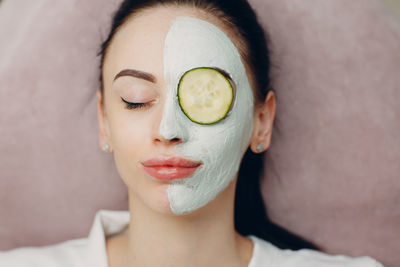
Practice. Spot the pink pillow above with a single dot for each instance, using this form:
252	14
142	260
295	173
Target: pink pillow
331	173
53	175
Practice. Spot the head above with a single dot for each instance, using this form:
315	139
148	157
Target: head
157	42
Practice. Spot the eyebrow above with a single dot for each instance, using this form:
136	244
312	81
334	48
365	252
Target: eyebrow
137	74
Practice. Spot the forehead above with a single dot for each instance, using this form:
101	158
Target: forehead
140	42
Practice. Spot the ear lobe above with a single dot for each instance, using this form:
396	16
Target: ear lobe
264	116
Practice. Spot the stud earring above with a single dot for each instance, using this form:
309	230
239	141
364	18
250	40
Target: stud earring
260	148
106	148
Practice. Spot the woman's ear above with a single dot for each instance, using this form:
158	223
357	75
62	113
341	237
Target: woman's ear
264	115
104	130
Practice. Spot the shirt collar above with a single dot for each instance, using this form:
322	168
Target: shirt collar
106	223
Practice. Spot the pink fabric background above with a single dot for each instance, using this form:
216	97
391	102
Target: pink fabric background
333	171
53	175
331	174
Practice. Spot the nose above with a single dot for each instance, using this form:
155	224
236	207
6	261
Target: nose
172	126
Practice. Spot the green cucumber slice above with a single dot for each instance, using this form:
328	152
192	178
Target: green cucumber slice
205	95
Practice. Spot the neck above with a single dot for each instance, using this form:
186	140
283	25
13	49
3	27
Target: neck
205	237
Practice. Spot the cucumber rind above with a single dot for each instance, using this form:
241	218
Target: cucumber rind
225	111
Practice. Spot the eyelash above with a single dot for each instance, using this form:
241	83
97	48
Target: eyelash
130	105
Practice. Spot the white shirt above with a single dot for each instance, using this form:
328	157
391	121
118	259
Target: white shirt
91	251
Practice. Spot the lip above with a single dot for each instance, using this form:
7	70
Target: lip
170	168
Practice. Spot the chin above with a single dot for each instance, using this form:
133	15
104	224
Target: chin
159	201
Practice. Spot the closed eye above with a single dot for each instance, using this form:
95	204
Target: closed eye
130	105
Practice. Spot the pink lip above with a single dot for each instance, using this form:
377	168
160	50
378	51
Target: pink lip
170	168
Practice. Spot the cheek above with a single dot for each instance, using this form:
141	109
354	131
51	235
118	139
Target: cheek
131	132
216	142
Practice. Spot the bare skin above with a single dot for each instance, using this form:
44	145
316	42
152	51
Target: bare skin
201	238
156	236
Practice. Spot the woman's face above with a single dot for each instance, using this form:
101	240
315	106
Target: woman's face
144	64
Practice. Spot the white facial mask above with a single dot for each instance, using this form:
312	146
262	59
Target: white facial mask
192	43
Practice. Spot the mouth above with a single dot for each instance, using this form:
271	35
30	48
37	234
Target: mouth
170	168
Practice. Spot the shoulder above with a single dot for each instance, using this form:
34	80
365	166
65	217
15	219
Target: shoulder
266	254
90	251
69	253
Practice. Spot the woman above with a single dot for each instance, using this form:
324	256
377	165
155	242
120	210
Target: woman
185	93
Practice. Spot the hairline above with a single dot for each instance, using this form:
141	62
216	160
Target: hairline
218	18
